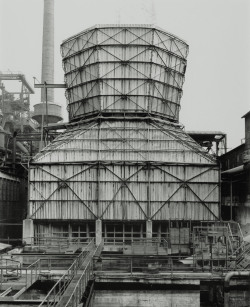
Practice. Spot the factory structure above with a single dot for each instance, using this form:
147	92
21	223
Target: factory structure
124	167
236	181
120	200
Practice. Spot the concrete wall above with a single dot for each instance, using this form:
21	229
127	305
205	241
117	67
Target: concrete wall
239	298
157	298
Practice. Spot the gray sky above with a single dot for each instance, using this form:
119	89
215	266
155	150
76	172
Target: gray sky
216	91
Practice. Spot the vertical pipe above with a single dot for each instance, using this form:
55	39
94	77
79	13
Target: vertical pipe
22	102
14	150
46	102
231	199
48	49
220	191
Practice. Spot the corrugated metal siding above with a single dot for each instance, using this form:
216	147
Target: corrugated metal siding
12	198
13	202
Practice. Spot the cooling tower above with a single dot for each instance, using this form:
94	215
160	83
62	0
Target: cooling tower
124	70
124	167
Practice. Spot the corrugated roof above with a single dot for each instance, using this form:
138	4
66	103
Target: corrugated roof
138	140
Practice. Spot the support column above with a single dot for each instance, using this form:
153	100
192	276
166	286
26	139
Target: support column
98	232
149	229
28	231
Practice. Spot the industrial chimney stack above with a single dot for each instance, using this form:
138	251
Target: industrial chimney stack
53	113
48	49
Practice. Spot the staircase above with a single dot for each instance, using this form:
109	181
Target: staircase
235	237
243	258
240	250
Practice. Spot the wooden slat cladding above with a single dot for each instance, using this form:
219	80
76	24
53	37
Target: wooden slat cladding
126	140
124	157
123	192
135	69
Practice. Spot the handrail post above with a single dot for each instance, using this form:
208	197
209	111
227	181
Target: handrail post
26	279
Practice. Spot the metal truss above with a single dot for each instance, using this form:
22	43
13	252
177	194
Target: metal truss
127	184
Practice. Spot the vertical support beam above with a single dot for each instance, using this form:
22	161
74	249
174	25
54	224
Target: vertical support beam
28	231
22	103
98	188
98	232
70	232
219	190
159	231
149	229
141	231
14	150
231	199
148	191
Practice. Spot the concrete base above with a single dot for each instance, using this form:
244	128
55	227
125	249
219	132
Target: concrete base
98	232
28	231
190	298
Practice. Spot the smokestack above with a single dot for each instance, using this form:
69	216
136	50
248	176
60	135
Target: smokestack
48	49
49	112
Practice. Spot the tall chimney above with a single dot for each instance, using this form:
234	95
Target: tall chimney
48	49
50	112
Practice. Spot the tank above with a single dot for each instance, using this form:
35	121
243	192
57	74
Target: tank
54	113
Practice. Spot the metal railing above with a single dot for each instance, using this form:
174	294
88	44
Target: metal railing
60	243
130	241
57	291
55	243
30	272
80	287
165	264
9	268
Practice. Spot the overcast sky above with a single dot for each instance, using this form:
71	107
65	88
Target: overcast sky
216	89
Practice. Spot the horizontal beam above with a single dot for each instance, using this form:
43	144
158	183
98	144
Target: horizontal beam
118	162
50	85
17	77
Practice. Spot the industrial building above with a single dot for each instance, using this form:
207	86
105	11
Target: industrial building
124	167
15	120
126	174
236	181
120	206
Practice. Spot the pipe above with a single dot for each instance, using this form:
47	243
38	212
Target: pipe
227	279
234	170
22	148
